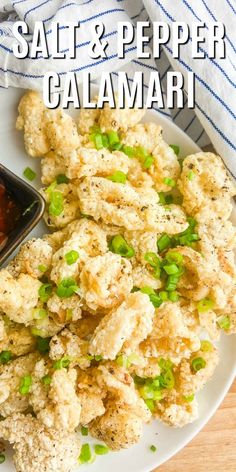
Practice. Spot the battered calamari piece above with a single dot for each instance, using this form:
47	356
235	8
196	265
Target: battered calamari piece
119	427
32	255
134	209
209	185
70	210
11	400
190	382
31	120
105	281
127	326
37	449
66	344
165	165
65	310
52	165
177	414
101	162
119	119
17	339
62	132
88	117
170	337
61	411
18	296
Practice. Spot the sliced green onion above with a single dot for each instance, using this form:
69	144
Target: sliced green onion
191	175
173	296
163	295
152	259
42	345
165	364
113	138
206	346
204	305
224	322
164	242
150	404
67	288
51	187
169	199
56	203
169	182
175	257
62	179
39	314
171	269
147	392
98	141
71	257
153	448
118	245
167	380
46	380
2	458
118	177
101	449
45	291
153	296
172	283
25	384
42	268
29	174
175	148
84	430
162	198
5	357
61	363
123	361
128	150
198	363
85	454
148	161
189	398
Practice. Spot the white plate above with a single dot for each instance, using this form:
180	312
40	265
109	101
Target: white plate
168	441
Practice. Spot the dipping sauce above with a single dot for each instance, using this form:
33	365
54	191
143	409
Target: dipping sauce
9	214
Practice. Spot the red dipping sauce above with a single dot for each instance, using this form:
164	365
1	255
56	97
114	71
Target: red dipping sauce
9	214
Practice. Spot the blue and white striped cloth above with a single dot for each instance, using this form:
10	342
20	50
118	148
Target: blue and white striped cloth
215	109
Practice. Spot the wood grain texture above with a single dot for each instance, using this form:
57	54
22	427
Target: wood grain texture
214	448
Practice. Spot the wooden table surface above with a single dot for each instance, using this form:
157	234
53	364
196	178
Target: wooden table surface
214	448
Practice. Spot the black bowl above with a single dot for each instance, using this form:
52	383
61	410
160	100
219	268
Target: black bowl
32	207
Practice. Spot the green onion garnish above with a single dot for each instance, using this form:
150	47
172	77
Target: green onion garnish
5	357
123	361
167	379
153	296
198	363
42	268
148	392
175	148
150	404
206	346
62	363
128	150
46	380
84	430
2	458
191	175
169	182
29	174
118	177
204	305
71	257
44	292
164	242
148	161
25	384
42	345
173	296
152	259
39	313
62	179
165	364
113	138
153	448
118	245
223	322
189	398
171	269
56	203
101	449
85	454
163	295
175	257
67	288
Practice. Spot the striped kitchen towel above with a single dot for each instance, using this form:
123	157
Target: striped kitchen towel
215	109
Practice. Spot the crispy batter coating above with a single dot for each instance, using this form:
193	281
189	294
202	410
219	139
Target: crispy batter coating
119	119
130	324
37	449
